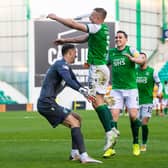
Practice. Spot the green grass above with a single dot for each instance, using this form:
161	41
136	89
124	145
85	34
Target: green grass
28	141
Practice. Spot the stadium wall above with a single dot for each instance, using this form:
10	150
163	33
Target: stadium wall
16	107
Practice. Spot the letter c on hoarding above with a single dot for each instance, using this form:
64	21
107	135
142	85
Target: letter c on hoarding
52	52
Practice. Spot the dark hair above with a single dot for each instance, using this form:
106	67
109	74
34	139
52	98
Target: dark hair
123	32
66	48
143	54
102	11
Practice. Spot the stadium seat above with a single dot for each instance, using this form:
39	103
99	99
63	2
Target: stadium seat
4	99
163	73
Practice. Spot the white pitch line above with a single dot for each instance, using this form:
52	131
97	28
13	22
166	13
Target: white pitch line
60	140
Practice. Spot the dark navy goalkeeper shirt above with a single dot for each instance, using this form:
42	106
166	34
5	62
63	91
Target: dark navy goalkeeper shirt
57	77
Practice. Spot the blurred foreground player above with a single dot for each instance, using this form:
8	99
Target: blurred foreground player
57	77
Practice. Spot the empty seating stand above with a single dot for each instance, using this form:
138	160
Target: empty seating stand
4	99
163	74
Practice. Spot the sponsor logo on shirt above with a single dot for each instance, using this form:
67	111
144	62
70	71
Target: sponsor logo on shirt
119	62
141	80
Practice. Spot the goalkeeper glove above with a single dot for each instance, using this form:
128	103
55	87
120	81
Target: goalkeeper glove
83	91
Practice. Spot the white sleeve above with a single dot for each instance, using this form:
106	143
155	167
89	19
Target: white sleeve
157	81
134	52
156	77
93	28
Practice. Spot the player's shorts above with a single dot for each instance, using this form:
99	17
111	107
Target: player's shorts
54	113
156	102
165	102
122	97
145	110
99	76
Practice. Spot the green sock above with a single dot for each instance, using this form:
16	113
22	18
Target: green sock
144	134
135	130
115	124
105	117
165	111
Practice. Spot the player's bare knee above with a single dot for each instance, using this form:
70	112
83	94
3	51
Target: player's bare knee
71	121
77	116
75	123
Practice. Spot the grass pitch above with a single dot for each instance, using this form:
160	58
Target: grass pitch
28	141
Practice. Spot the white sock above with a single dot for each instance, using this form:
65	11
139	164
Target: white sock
108	133
74	152
83	155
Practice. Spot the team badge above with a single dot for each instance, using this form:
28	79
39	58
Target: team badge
65	67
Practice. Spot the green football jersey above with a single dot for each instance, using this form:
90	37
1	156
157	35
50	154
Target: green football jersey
98	46
165	91
123	70
145	82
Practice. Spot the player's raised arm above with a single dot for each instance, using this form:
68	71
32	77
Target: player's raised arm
135	57
78	39
68	22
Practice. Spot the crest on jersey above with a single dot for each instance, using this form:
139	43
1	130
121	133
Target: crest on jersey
147	73
65	67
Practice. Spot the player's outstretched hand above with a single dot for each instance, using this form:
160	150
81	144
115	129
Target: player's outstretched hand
59	41
91	99
86	65
84	91
51	16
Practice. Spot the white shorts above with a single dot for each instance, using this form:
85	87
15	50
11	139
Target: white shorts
99	76
156	103
165	102
129	98
145	110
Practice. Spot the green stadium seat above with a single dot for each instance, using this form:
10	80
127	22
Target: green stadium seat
4	99
163	73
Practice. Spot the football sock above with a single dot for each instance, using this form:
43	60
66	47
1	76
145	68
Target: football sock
105	117
83	155
165	110
74	152
77	138
144	134
115	124
74	146
135	130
